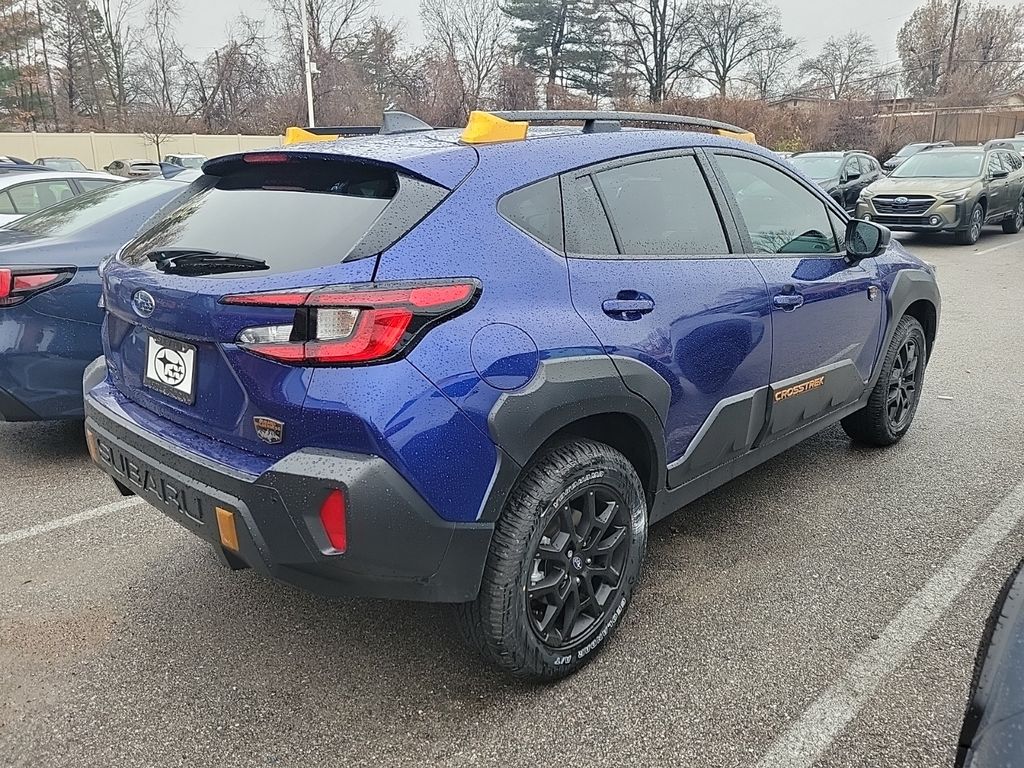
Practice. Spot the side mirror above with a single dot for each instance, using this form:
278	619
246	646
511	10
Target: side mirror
852	176
999	174
865	239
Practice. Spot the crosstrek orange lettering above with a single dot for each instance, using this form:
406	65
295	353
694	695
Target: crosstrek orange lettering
799	389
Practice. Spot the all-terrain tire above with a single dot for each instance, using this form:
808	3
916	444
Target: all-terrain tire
1015	223
875	424
502	623
972	233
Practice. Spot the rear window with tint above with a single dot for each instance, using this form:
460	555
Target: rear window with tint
293	216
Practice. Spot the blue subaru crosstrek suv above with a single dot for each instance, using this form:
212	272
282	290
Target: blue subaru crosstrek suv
473	367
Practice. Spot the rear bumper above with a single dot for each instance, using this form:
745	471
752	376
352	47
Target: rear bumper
397	546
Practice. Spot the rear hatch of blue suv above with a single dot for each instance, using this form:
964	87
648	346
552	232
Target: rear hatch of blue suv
253	369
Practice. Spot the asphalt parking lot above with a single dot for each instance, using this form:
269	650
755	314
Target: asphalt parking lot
822	610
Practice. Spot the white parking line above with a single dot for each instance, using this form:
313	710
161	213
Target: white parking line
1010	244
812	734
65	522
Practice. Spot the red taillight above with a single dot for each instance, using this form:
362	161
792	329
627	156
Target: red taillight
332	518
345	325
18	284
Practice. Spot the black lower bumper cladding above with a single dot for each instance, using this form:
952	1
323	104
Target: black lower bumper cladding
397	545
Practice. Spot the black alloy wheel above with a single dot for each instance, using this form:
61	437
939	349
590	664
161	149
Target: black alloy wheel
902	394
564	560
578	567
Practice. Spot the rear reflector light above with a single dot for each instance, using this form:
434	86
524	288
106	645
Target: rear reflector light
19	284
350	325
332	518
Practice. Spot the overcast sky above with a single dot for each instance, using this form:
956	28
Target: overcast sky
204	21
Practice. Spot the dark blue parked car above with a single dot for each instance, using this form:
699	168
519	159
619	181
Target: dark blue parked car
49	292
992	735
475	367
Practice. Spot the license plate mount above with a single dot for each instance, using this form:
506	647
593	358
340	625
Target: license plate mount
171	368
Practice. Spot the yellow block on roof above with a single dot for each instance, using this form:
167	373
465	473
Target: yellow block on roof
293	135
745	136
485	128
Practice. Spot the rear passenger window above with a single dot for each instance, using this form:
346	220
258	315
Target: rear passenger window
536	209
89	185
586	226
782	216
1016	161
662	208
34	196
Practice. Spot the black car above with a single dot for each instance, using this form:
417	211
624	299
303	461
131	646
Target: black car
910	150
842	174
993	729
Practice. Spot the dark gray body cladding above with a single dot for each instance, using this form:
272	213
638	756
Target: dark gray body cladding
740	433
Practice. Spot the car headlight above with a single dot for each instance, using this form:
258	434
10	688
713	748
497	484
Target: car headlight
866	193
956	196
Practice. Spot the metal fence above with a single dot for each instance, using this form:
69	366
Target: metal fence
97	150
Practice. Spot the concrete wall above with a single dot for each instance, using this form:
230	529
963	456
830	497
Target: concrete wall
99	149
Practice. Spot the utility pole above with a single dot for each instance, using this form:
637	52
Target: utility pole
307	65
952	44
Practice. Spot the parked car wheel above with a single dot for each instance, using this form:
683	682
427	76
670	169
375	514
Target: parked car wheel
970	234
1015	223
563	562
890	410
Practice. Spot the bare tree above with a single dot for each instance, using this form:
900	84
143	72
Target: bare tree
923	42
471	34
655	41
164	58
770	71
730	33
843	66
118	43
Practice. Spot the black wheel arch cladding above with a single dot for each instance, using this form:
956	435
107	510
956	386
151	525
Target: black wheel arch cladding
568	390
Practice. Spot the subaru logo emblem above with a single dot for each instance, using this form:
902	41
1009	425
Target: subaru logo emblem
901	201
143	304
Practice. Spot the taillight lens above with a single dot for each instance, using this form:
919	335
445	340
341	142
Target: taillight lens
355	324
17	284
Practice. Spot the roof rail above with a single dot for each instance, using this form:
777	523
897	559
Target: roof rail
598	121
491	127
392	123
1000	144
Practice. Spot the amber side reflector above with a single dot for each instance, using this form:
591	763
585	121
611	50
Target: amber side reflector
226	526
90	441
485	128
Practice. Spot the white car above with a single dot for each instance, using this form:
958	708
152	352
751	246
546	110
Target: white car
31	191
186	161
134	169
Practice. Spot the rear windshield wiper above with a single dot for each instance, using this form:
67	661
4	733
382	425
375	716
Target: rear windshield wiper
192	263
